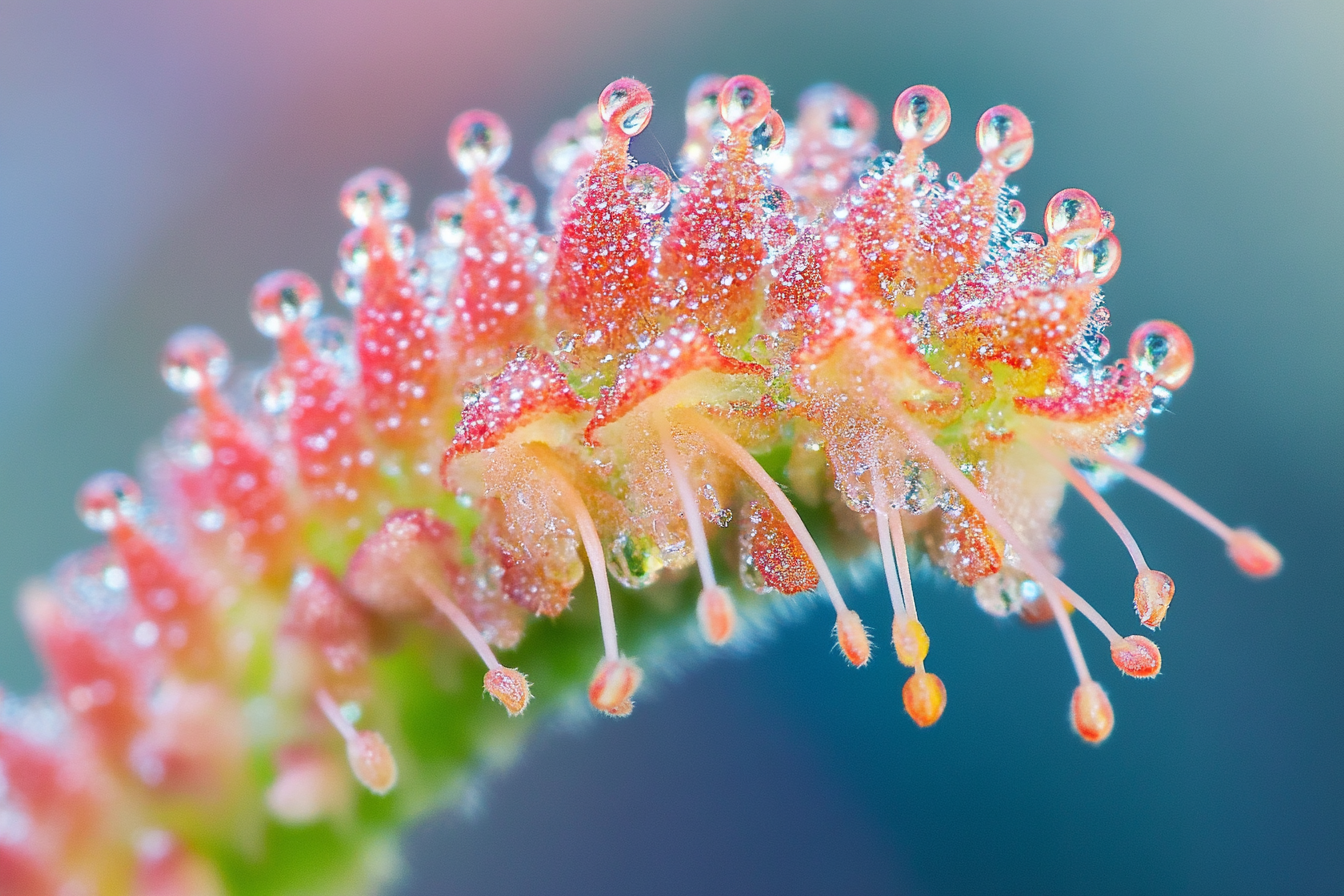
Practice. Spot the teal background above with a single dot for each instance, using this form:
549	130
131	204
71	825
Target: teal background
156	157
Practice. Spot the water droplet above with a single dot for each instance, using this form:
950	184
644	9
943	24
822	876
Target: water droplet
845	119
1107	221
275	390
284	299
1094	346
91	586
556	152
348	288
401	241
184	444
921	114
650	188
702	102
744	102
194	359
353	252
1003	593
1161	348
634	561
447	216
769	134
478	140
330	340
627	104
520	207
1073	219
1161	398
1101	259
108	500
777	201
1014	214
1004	137
376	190
953	181
922	488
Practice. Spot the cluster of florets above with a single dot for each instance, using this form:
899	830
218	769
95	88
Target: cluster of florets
799	348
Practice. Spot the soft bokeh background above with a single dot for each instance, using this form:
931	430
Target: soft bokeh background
156	157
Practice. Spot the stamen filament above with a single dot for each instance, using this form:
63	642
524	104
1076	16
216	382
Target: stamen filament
749	465
980	501
907	635
689	505
1070	636
884	544
445	605
332	711
370	759
1168	492
592	546
903	562
1099	504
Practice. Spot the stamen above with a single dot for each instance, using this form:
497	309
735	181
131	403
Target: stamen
508	686
1070	636
907	634
1084	488
715	607
1251	553
1090	709
613	684
1153	590
884	543
925	698
1122	649
617	677
370	758
1137	656
1031	564
592	546
849	628
1091	712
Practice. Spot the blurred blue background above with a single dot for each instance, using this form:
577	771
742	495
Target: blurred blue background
156	157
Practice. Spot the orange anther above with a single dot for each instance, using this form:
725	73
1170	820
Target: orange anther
1091	713
925	698
853	637
1153	592
509	687
1137	656
371	761
716	614
613	684
910	640
1253	555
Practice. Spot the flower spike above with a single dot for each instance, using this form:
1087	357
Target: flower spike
796	349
